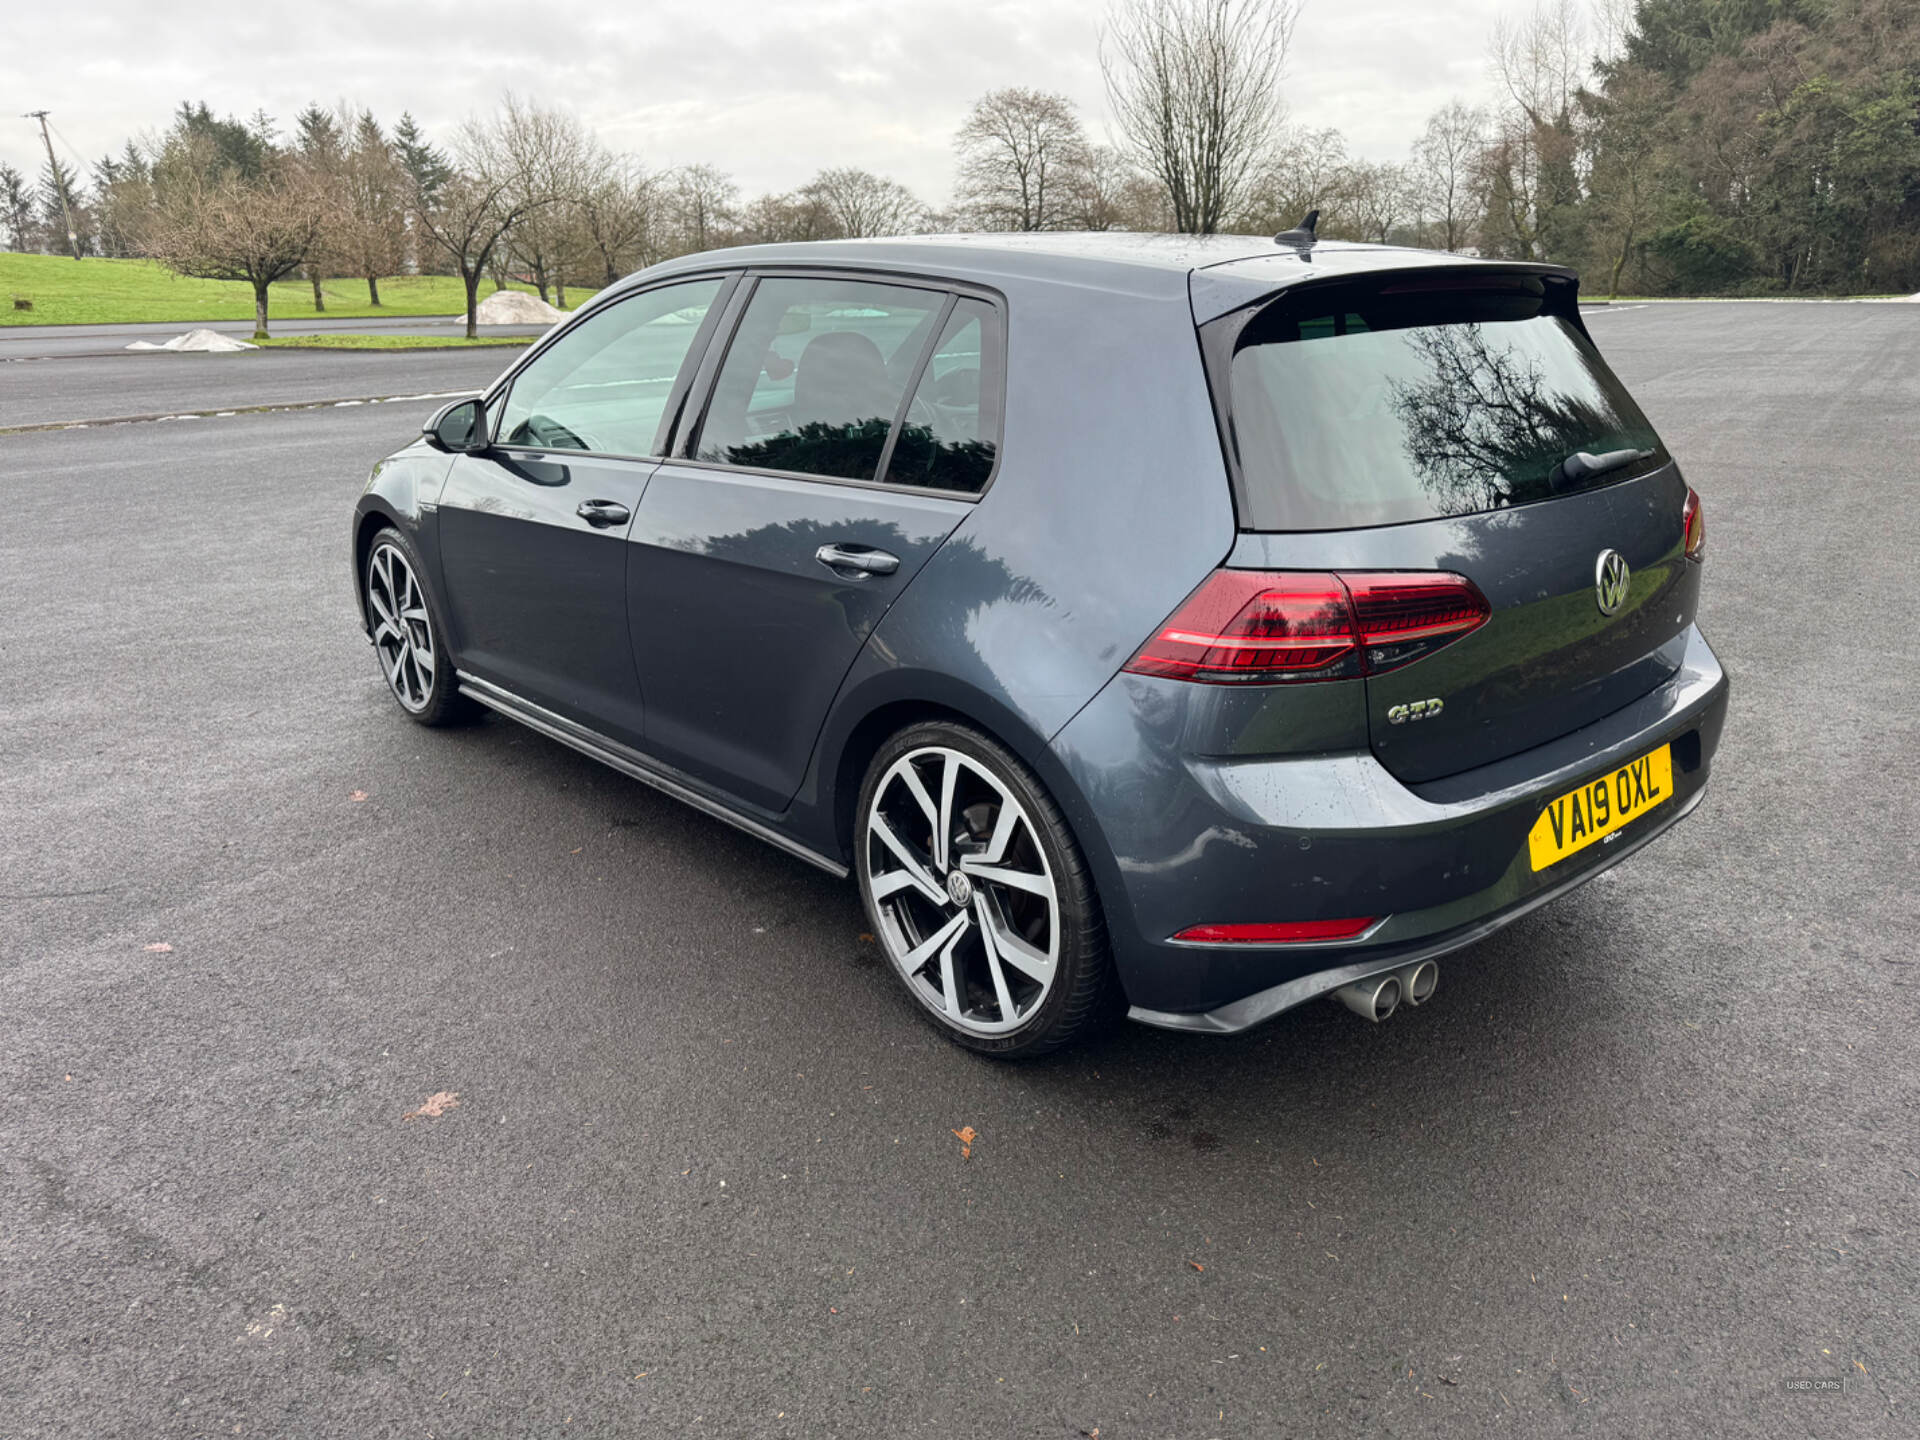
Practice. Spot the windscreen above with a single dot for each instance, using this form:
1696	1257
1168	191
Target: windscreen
1370	406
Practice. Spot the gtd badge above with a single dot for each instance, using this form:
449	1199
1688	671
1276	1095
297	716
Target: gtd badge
1417	710
1611	581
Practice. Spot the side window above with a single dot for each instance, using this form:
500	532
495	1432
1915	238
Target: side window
953	424
815	376
604	385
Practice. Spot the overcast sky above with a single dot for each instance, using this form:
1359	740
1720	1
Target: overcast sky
770	90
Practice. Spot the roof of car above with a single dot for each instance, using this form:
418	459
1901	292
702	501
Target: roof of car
1236	268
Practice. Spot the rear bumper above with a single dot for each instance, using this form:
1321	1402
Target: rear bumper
1196	840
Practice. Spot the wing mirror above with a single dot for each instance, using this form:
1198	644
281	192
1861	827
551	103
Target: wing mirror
459	428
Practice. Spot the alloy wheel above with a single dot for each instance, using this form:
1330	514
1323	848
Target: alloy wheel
402	628
962	890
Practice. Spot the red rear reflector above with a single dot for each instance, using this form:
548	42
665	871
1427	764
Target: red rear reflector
1252	627
1280	932
1693	521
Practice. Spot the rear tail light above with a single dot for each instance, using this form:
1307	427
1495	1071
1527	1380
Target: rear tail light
1281	932
1251	627
1693	520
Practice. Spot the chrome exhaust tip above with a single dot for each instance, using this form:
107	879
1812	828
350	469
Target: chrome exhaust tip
1418	981
1374	998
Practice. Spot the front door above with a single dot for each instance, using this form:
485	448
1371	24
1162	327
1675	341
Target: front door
807	500
533	531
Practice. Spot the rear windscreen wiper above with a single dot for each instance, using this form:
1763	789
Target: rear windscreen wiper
1582	466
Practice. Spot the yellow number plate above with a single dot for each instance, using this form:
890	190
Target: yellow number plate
1597	809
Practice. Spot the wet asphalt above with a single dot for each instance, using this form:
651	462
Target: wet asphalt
1648	1157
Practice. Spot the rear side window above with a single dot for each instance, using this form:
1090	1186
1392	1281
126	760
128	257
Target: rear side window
949	438
1356	407
816	374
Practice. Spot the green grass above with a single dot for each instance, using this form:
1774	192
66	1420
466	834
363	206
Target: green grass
108	292
389	342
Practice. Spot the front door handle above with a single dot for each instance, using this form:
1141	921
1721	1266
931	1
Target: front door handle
602	513
859	558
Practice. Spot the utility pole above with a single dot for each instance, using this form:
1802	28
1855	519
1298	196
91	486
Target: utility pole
59	179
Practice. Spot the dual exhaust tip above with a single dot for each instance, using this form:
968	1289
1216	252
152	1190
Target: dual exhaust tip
1378	996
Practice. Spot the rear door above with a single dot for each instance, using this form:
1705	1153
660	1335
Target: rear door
1466	424
533	530
843	436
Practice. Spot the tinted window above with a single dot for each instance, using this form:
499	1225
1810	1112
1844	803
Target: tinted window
604	385
947	442
1378	408
815	376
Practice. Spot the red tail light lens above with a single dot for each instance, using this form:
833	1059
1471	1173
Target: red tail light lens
1694	520
1251	627
1247	627
1276	933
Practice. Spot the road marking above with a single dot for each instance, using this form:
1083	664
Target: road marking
158	417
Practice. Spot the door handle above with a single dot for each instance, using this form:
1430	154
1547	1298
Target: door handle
859	558
602	513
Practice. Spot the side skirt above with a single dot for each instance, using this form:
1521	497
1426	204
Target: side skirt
633	764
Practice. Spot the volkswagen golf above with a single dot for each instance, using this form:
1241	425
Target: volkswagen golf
1189	626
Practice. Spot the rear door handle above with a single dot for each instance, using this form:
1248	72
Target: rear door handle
602	513
858	558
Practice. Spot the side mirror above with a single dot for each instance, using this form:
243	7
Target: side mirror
459	428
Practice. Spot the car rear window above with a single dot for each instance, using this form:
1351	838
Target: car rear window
1353	407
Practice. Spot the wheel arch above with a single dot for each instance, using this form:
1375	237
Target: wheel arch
373	516
865	719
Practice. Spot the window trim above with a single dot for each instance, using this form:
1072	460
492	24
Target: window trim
679	452
664	433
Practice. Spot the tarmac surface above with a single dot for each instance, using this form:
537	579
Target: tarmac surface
1648	1157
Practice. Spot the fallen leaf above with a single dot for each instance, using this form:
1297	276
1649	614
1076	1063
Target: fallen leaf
866	938
160	947
357	796
966	1137
434	1106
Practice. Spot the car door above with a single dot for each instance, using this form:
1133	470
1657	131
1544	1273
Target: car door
842	437
532	530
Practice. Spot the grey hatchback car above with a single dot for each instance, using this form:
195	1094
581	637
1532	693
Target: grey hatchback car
1194	626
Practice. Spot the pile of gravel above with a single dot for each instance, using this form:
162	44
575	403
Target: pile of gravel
515	307
200	342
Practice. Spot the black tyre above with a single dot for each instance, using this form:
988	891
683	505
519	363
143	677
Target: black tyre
408	627
979	895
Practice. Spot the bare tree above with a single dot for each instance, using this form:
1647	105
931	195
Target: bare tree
783	219
1539	61
1021	154
369	232
555	163
1447	168
624	219
703	199
319	144
473	209
1305	169
862	204
1195	89
1106	193
1380	199
229	227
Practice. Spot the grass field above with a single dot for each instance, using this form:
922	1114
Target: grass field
389	342
104	292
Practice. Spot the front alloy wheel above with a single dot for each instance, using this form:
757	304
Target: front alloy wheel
977	895
403	620
402	628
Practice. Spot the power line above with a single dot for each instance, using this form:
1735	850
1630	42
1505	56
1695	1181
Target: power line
59	179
